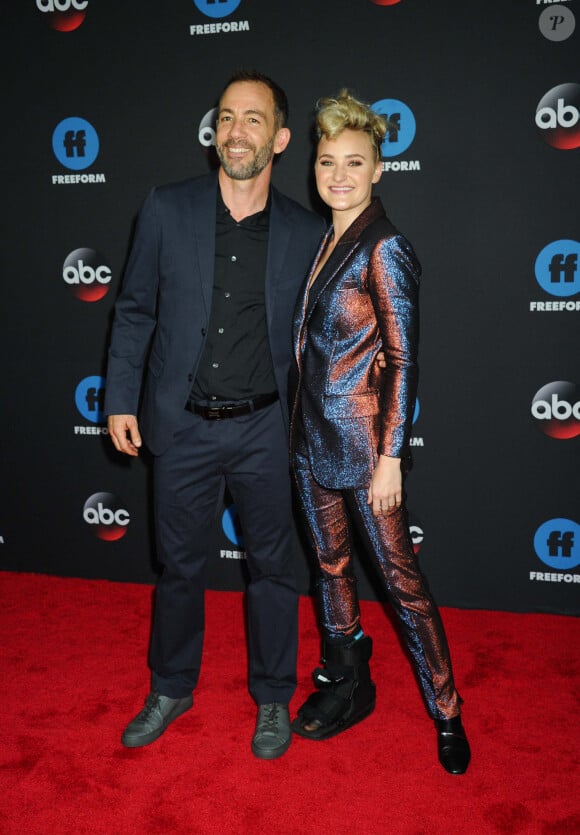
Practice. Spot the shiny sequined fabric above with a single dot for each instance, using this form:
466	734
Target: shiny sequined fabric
347	411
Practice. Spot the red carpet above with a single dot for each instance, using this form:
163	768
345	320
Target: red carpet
73	672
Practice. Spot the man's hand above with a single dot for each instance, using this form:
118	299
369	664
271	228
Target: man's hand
386	488
124	432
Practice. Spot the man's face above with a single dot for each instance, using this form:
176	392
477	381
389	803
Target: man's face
246	137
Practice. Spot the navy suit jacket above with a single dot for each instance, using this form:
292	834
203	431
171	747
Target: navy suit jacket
162	314
363	300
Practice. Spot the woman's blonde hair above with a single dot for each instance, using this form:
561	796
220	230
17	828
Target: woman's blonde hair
333	115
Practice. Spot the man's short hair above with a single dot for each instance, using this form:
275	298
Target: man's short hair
281	109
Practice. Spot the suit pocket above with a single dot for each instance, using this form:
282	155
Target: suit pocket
340	406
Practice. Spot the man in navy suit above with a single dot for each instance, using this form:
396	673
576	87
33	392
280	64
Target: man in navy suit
202	339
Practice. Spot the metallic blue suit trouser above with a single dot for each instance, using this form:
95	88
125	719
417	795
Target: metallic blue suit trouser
328	515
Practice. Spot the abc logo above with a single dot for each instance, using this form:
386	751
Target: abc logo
106	516
86	275
416	533
556	410
64	15
558	117
206	130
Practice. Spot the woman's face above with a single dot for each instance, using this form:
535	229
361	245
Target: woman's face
346	168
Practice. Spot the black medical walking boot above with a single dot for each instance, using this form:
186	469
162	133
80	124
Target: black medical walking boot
345	693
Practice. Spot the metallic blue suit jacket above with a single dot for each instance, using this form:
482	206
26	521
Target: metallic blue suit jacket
364	299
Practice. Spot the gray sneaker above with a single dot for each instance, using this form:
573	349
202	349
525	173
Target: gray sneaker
156	716
272	736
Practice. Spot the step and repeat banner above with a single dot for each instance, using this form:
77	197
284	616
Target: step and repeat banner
104	99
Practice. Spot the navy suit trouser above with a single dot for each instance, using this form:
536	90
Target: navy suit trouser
249	454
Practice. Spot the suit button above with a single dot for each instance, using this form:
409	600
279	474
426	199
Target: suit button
203	331
190	378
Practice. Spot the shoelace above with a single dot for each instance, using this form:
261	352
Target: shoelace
151	702
272	716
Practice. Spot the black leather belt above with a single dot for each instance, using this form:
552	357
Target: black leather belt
231	410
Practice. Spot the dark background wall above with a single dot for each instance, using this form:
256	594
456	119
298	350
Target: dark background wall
494	493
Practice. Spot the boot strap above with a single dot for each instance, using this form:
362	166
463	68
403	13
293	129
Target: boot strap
324	678
328	705
348	655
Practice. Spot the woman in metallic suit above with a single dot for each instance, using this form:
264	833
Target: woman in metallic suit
350	434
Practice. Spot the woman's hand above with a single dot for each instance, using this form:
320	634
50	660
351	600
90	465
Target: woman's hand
386	488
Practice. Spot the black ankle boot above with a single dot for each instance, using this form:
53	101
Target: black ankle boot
345	692
452	744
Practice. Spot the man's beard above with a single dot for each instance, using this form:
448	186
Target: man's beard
250	169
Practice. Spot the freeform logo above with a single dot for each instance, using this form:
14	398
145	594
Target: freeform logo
416	440
85	272
90	398
558	117
105	513
75	144
401	129
232	530
556	409
206	131
63	15
218	9
417	411
557	545
557	24
385	2
557	271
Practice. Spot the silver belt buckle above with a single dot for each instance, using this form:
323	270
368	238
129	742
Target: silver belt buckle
214	412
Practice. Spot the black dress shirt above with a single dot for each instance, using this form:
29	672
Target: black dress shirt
236	363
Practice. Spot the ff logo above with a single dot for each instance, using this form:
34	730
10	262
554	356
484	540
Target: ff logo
206	130
557	544
401	126
75	143
231	526
558	117
416	411
107	517
217	8
63	15
90	399
556	409
86	275
557	270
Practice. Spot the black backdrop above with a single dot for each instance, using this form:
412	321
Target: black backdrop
482	191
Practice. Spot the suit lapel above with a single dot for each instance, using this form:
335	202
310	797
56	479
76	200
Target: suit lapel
203	234
338	258
347	245
278	242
